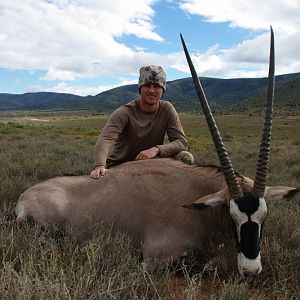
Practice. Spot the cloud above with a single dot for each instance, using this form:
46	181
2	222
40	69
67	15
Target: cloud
250	57
64	87
256	14
226	63
71	39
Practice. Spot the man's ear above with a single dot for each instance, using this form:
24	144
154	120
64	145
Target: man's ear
210	201
281	192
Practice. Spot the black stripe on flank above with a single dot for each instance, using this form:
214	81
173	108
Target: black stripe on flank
197	206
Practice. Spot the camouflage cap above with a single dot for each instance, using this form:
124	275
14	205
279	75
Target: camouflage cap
153	74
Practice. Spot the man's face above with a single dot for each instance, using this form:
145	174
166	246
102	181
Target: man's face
151	94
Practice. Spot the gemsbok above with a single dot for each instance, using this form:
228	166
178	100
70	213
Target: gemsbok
160	202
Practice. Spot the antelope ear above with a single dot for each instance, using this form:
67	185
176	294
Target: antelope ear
209	201
281	192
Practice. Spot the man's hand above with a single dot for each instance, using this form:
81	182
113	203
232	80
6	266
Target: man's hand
98	172
147	154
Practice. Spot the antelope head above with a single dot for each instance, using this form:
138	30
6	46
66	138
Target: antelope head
247	211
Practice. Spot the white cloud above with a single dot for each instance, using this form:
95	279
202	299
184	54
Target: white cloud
254	14
220	63
71	39
54	74
64	87
250	57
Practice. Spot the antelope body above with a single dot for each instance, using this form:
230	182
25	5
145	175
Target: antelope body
144	198
149	199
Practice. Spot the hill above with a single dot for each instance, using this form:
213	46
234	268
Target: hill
229	94
41	100
286	100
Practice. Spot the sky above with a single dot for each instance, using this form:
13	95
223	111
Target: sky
85	47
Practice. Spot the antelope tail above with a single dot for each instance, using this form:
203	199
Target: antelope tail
20	212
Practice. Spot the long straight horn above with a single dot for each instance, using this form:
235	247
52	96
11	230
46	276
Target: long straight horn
233	186
263	159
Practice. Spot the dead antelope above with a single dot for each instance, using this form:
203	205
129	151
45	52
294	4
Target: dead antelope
149	200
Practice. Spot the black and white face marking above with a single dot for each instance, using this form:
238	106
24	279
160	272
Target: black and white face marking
248	214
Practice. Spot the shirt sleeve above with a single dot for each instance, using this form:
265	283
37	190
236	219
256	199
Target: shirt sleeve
109	135
175	133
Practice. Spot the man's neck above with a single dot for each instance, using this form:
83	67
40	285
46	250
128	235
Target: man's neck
148	108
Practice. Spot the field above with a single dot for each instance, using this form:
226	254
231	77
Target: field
37	263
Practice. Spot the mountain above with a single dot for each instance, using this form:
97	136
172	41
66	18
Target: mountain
286	99
235	94
41	100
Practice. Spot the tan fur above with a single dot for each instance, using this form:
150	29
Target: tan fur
144	198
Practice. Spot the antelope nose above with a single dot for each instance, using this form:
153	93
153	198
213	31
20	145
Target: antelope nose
248	266
248	273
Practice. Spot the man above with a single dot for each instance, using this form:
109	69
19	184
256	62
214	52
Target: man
136	130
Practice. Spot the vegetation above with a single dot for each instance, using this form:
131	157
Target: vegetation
38	263
287	101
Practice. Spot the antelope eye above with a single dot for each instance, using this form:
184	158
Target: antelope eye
237	216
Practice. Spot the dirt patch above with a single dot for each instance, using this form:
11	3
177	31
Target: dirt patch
37	120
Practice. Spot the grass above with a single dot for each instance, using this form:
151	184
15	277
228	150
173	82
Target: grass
37	263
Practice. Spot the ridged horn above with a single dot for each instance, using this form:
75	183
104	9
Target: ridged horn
263	158
231	180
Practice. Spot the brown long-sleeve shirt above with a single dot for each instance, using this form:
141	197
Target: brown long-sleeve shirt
130	130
